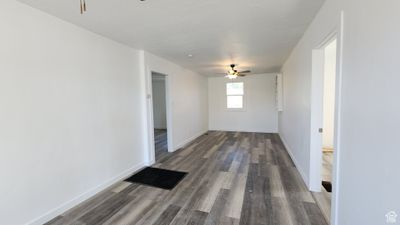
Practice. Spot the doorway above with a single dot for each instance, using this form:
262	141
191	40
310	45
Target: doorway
328	127
159	97
323	123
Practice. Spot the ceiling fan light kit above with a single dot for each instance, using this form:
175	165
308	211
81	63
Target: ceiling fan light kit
234	73
231	76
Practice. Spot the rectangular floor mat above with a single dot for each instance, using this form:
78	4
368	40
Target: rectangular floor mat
155	177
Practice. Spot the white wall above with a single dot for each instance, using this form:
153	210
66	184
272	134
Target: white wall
369	153
260	113
73	112
70	115
329	95
188	96
159	104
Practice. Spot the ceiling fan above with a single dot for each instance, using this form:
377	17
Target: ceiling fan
233	73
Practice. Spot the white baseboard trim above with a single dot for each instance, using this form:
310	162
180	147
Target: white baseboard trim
187	141
300	169
247	131
83	197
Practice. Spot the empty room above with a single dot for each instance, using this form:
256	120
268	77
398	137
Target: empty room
149	112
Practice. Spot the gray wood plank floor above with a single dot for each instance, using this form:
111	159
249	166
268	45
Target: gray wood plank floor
161	143
234	178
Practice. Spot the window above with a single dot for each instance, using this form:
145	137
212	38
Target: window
234	95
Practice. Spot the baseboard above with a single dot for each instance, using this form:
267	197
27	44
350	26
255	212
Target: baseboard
83	197
247	131
300	169
187	141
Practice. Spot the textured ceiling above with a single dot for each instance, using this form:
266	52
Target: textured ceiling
255	34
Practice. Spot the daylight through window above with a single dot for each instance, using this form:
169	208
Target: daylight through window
234	95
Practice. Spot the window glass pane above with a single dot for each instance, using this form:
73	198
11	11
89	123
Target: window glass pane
235	102
234	88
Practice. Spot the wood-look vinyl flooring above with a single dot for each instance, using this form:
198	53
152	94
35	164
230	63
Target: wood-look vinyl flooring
161	143
234	179
327	162
324	198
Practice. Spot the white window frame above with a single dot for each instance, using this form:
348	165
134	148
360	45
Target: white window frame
243	96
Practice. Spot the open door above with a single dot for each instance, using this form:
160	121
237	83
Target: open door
323	124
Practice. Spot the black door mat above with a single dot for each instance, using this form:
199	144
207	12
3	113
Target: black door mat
327	185
155	177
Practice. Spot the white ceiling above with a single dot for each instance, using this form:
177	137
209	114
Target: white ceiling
256	34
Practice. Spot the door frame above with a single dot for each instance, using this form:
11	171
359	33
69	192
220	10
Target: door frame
150	114
317	102
317	115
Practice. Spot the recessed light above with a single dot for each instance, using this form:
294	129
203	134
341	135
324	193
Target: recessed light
190	55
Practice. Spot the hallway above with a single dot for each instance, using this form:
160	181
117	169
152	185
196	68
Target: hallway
234	178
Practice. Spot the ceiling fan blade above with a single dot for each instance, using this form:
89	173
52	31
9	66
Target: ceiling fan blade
241	75
246	71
